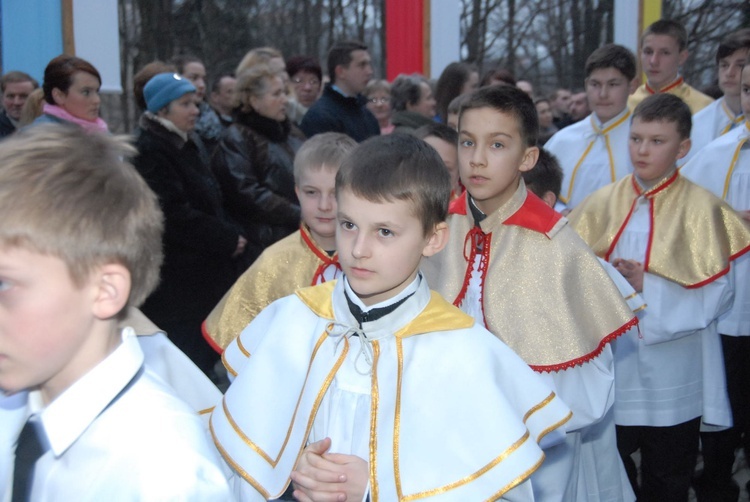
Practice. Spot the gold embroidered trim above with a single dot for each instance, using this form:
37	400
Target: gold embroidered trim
397	419
539	406
517	481
463	481
554	426
226	364
374	423
731	169
206	411
234	464
249	442
603	132
642	307
630	297
242	348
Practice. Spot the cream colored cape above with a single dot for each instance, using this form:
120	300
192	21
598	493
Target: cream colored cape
293	262
545	294
694	234
695	99
455	415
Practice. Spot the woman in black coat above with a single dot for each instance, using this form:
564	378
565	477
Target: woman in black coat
254	161
200	243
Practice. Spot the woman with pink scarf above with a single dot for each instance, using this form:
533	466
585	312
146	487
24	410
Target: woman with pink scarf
71	94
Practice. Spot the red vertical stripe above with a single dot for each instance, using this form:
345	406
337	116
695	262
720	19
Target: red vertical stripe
404	37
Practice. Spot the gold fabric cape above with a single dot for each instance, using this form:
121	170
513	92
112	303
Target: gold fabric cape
545	294
695	99
293	262
694	234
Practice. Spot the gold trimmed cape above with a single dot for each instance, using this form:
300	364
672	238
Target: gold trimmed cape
695	99
694	234
455	415
294	262
544	292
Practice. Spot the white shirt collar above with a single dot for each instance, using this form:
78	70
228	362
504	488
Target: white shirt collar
67	417
611	121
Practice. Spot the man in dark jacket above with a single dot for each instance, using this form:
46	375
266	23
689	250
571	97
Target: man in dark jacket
341	108
16	87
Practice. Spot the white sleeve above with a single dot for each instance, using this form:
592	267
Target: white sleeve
674	311
588	389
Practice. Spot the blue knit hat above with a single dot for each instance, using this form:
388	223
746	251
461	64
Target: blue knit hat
164	88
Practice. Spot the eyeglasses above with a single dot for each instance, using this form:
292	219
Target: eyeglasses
313	82
380	101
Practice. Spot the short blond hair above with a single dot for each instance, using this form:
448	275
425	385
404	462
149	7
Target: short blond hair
73	195
259	55
253	81
322	150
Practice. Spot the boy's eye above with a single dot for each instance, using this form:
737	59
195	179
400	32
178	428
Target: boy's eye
310	193
4	285
497	144
347	225
467	143
384	232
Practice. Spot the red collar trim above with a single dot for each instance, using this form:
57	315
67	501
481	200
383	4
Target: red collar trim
322	255
459	205
535	215
658	188
668	88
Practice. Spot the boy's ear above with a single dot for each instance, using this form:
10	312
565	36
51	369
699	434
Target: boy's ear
633	85
438	240
685	145
529	159
549	198
112	283
683	56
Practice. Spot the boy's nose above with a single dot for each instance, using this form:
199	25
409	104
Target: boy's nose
325	203
360	249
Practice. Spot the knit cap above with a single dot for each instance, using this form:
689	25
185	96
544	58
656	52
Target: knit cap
164	88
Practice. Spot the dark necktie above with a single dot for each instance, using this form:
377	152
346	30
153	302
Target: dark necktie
28	450
372	314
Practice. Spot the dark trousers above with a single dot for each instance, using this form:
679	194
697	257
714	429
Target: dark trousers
715	483
668	456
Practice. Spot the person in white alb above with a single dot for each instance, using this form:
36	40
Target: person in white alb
723	167
724	114
593	152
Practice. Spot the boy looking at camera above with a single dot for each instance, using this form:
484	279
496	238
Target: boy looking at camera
367	358
511	263
304	258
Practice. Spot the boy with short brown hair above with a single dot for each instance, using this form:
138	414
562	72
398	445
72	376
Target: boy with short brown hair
663	51
512	263
372	383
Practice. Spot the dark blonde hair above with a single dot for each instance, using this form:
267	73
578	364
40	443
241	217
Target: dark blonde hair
70	194
253	81
322	150
399	167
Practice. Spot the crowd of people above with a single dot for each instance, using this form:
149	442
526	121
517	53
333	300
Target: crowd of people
464	289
